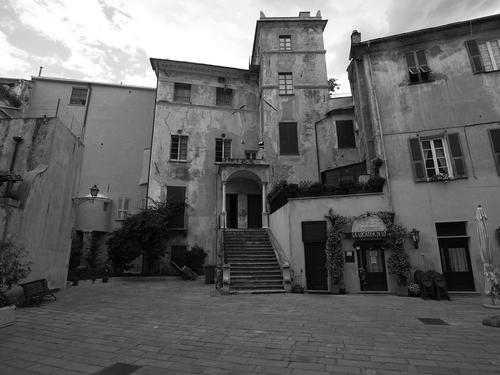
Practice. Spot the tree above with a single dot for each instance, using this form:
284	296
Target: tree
145	233
333	85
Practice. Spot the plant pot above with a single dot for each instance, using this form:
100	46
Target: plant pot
7	315
402	290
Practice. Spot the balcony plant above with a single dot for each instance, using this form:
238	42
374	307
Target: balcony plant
13	268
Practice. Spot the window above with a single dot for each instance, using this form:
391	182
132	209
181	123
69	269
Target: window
345	134
182	93
288	138
224	97
484	55
417	66
123	205
176	195
495	145
285	43
285	83
78	96
178	147
437	158
251	154
222	149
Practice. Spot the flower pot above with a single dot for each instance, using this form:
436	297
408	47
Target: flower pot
7	315
402	290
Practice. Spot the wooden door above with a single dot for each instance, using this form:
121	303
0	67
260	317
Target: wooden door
314	238
254	209
456	264
372	259
232	210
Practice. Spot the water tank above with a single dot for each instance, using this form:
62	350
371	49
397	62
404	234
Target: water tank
93	214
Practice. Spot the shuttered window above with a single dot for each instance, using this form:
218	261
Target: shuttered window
122	209
418	68
182	92
437	158
484	55
224	97
176	195
288	138
345	134
178	147
495	145
222	149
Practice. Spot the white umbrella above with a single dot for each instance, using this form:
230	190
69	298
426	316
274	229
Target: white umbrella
485	249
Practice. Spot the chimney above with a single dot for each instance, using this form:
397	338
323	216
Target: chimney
355	37
304	14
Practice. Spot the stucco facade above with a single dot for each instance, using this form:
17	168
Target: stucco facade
37	212
404	111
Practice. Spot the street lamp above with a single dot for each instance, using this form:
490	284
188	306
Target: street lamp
94	190
415	236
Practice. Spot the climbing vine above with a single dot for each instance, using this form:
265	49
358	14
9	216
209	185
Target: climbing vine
333	250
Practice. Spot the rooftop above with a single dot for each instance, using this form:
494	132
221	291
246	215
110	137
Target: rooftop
67	80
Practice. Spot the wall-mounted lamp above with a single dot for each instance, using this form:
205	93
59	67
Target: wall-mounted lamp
415	237
94	190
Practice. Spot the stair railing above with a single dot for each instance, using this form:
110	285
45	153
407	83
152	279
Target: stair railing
282	261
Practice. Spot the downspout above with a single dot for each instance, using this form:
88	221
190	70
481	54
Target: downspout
379	127
152	135
317	150
86	112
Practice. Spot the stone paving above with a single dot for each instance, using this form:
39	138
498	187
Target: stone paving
170	326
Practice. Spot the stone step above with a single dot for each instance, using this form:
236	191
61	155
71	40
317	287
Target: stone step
257	287
254	265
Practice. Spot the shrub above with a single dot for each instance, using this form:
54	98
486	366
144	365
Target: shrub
13	268
195	258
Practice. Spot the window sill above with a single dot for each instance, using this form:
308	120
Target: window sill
420	82
292	94
487	71
181	102
177	161
443	181
297	154
77	105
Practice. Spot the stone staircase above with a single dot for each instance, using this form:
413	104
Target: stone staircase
254	267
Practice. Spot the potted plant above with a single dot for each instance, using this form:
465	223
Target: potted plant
13	268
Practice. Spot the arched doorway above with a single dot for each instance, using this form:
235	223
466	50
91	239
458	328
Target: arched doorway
243	198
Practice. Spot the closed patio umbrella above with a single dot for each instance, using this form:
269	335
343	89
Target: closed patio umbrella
485	250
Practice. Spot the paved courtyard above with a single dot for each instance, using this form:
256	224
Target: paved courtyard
169	326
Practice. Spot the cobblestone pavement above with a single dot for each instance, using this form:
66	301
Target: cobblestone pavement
169	326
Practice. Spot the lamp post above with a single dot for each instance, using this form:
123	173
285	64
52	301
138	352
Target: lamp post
94	190
415	236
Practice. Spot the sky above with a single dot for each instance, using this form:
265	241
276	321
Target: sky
112	40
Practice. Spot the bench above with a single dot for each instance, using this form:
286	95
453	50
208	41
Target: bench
36	290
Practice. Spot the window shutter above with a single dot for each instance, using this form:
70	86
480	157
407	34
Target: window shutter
495	145
345	134
218	149
126	202
288	138
227	149
457	158
475	56
417	160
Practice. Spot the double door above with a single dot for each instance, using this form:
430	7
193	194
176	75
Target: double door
456	264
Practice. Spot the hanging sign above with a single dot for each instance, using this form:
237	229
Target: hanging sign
369	227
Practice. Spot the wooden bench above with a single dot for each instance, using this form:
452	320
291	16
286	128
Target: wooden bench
36	290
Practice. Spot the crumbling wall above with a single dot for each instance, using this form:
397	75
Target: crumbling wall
37	213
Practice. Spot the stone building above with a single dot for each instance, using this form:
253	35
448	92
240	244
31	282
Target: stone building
429	105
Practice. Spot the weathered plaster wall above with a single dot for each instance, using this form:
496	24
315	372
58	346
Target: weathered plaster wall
454	101
202	122
308	103
42	215
286	224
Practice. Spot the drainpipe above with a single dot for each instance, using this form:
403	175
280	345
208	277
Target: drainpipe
17	141
317	150
86	112
376	117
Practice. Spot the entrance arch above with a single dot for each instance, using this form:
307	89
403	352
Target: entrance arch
243	199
